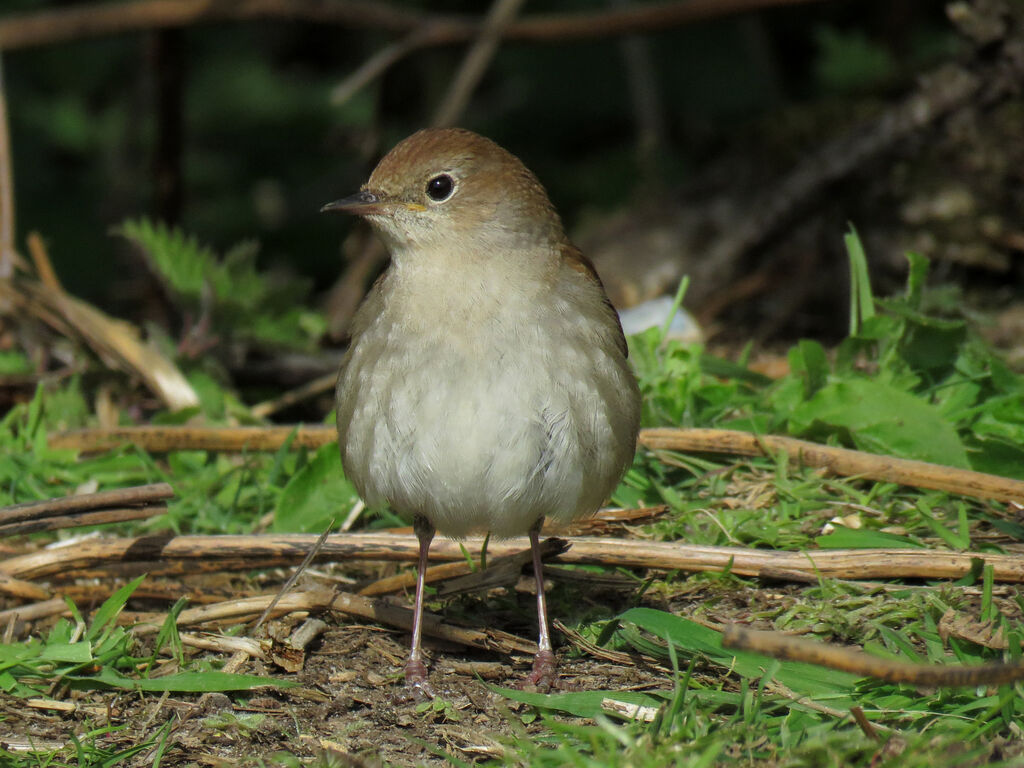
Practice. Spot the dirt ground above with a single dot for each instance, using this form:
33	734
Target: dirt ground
350	698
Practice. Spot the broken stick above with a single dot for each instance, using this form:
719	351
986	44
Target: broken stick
841	461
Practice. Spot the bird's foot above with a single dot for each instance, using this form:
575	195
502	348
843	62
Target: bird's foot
417	687
544	676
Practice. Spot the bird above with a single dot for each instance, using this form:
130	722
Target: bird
486	385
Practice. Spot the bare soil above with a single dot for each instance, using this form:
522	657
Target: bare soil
350	700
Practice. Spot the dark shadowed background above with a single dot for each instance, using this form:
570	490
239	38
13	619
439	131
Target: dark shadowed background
656	148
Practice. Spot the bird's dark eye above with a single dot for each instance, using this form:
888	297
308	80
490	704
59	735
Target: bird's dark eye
440	188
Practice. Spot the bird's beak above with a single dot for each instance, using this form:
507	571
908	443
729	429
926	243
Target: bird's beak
362	203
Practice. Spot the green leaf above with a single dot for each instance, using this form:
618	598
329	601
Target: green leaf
862	302
881	418
179	260
998	457
183	682
13	362
849	61
808	361
690	638
677	302
903	309
932	350
916	277
242	301
316	494
74	653
7	682
169	636
716	366
112	606
959	539
35	413
864	538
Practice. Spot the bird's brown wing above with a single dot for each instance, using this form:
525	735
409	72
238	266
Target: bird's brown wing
573	257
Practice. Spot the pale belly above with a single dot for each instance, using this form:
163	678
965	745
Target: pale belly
485	440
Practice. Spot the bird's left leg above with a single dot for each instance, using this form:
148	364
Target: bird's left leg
545	671
415	668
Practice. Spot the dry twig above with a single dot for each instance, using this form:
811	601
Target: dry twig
134	503
453	571
310	389
164	439
407	579
41	261
57	25
353	605
295	576
501	571
23	590
855	661
98	517
375	66
467	78
841	461
116	342
177	554
7	253
40	610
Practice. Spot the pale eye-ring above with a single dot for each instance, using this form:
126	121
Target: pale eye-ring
440	187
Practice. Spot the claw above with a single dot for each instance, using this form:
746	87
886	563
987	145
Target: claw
544	675
417	687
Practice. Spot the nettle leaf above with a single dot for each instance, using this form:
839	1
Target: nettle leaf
176	258
245	302
189	269
881	418
958	400
998	437
236	279
1003	418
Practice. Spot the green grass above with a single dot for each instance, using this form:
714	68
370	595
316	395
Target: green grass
913	379
98	656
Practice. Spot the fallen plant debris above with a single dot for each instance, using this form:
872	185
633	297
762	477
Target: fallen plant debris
155	551
183	554
781	646
115	506
116	342
840	461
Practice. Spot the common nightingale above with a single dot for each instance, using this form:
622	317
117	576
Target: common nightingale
486	386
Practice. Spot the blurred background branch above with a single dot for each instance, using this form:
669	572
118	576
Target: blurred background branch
99	19
730	141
